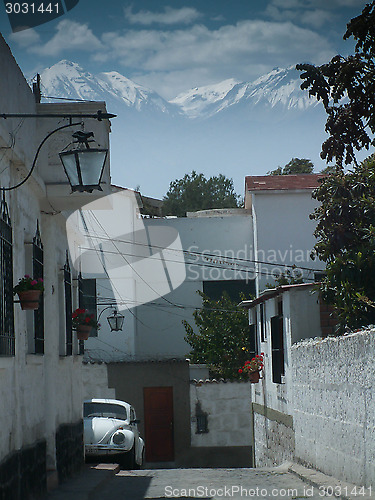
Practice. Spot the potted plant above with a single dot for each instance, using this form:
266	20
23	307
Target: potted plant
252	368
83	322
28	290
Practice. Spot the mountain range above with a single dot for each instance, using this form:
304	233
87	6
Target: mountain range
280	88
234	128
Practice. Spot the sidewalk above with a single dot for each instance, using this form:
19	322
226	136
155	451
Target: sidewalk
91	478
334	487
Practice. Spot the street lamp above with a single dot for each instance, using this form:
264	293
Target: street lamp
83	165
115	320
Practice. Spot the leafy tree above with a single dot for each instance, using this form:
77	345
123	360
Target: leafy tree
223	339
346	217
346	86
346	242
295	166
292	276
194	192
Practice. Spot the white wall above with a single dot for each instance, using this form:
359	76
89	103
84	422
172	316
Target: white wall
273	420
283	232
95	382
160	332
228	407
38	392
333	405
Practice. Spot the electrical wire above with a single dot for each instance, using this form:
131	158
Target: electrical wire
205	254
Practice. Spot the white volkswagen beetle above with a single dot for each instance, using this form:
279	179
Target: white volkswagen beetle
111	430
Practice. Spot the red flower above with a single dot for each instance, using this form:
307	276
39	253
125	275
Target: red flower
87	320
240	370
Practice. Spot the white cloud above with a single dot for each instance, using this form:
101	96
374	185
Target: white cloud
170	61
70	36
169	16
247	42
25	38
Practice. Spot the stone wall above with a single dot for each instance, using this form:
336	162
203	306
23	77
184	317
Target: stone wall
334	405
273	436
23	473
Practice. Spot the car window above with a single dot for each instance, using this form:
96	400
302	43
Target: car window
108	410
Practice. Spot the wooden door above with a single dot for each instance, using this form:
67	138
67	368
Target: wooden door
158	415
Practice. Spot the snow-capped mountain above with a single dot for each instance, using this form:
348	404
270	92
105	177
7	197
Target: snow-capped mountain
69	80
195	102
230	127
279	88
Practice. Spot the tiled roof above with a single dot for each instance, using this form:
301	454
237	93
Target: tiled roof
282	182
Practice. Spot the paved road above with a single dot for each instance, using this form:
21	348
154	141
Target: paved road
206	484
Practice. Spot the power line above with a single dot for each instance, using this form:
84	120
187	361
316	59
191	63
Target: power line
204	254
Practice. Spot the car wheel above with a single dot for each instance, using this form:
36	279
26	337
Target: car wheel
139	466
127	460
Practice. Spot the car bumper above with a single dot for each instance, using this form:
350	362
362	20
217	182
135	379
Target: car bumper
93	450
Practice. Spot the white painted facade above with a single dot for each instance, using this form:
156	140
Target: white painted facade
282	231
95	382
227	406
39	392
274	439
204	237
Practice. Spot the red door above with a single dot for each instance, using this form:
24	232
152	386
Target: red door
158	411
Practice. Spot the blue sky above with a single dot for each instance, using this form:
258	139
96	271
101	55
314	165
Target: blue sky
174	45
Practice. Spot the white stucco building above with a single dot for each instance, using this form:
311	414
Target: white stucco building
282	236
40	357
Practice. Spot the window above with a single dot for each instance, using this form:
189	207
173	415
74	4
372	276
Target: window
234	288
87	300
68	307
7	340
37	265
201	419
277	344
105	410
263	336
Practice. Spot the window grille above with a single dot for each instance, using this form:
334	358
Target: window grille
201	419
7	337
202	424
38	273
68	307
87	300
277	343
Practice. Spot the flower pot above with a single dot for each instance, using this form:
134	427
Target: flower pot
83	332
254	377
29	299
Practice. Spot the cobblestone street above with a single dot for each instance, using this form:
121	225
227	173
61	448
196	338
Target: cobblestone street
207	484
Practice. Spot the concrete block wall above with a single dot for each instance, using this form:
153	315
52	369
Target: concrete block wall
228	409
334	406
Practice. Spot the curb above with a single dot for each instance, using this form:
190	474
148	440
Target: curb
334	487
85	484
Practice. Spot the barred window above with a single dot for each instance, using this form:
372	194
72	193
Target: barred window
68	307
7	338
38	273
87	300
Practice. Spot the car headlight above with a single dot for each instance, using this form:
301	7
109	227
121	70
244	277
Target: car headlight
118	438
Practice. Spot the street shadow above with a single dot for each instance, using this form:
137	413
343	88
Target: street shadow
124	488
